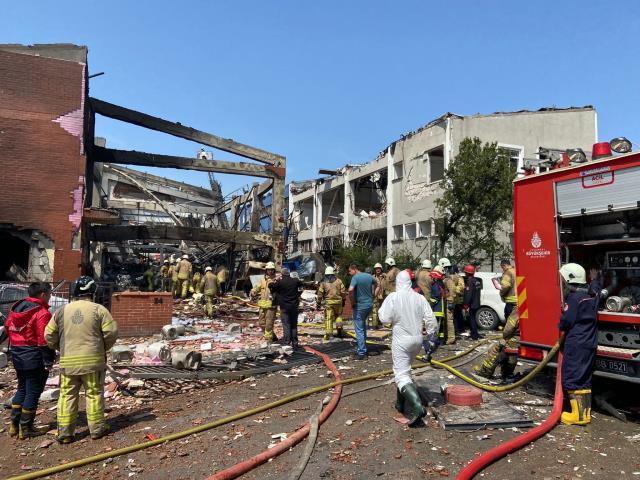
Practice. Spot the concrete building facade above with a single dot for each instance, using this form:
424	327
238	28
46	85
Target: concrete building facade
390	202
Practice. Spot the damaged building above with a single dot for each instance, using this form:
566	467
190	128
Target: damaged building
69	202
390	202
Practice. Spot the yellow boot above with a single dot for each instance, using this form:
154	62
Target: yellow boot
580	414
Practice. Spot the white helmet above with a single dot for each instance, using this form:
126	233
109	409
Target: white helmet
377	265
444	262
185	256
270	266
427	264
208	269
573	273
166	260
390	261
329	271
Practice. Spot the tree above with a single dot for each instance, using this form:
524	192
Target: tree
476	202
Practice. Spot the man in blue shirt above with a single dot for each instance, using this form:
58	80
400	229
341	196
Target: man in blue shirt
364	287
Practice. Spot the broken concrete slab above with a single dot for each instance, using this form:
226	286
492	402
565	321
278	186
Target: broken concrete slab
50	395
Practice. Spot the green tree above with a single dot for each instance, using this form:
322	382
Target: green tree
476	203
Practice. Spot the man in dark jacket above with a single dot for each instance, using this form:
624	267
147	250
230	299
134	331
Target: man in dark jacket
471	298
287	292
30	356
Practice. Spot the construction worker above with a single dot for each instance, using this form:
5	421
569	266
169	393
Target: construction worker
390	277
267	313
184	276
174	278
471	299
578	322
195	282
333	293
502	352
209	286
410	315
31	357
380	277
165	276
454	288
83	331
424	278
223	278
437	299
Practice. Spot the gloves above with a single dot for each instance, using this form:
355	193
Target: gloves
430	345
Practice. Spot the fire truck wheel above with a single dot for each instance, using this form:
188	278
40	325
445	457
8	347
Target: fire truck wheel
487	319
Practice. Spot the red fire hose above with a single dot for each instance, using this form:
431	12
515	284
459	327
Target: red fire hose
487	458
249	464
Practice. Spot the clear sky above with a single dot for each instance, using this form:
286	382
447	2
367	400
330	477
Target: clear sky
327	83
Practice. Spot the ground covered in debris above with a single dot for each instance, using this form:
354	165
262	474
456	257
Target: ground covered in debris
360	439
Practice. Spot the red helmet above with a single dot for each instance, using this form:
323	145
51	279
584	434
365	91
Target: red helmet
470	269
412	275
436	274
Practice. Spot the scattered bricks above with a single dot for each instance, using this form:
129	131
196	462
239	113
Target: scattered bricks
141	313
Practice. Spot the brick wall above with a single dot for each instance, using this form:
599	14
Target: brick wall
141	313
42	105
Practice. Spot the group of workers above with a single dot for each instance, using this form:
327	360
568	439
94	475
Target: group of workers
180	277
82	331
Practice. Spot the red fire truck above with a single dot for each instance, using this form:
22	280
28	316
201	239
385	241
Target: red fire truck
585	211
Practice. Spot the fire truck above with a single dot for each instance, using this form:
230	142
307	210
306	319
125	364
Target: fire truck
584	210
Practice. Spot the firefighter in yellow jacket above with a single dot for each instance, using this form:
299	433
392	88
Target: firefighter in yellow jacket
195	282
424	279
333	293
173	271
165	276
511	333
392	273
380	276
209	285
184	276
83	331
454	288
267	314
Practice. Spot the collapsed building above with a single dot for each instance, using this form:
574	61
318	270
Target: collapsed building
69	203
390	202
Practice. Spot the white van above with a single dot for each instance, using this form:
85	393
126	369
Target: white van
491	312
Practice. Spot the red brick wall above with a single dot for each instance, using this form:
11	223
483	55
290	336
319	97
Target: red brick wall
141	313
42	163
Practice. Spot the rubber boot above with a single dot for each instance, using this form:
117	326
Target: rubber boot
339	330
399	401
14	427
413	409
27	430
580	402
102	431
328	328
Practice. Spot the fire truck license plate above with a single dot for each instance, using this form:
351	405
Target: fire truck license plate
611	365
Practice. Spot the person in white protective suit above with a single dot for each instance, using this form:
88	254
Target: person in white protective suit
410	315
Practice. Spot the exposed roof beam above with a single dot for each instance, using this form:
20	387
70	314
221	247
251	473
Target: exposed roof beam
175	128
114	233
131	157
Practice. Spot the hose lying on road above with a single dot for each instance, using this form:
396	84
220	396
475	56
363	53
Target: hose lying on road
243	467
496	453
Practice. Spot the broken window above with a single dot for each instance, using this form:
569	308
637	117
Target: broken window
435	161
410	231
515	154
424	229
397	232
398	170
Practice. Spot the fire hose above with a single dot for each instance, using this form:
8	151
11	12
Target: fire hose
299	395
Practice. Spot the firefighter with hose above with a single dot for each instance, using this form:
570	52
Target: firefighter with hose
333	293
578	322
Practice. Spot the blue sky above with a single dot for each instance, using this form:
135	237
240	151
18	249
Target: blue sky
334	82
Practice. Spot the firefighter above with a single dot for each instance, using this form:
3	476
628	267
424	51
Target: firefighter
184	276
174	278
578	322
209	286
149	278
454	288
31	357
380	276
165	276
390	276
334	294
83	331
471	299
223	277
445	264
437	299
195	282
410	315
267	313
511	333
424	278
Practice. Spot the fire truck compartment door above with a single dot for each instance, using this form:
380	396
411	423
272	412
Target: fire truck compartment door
599	190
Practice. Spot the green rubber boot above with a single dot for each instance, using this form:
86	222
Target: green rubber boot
16	411
399	401
413	408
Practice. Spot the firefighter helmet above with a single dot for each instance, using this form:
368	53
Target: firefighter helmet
270	266
470	269
444	262
390	261
329	271
185	257
377	265
85	285
427	264
208	269
573	273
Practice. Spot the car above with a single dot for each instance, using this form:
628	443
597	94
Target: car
490	315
